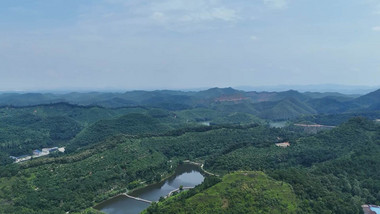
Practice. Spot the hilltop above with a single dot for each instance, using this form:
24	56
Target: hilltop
238	192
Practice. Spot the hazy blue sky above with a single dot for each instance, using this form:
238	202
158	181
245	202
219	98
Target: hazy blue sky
147	44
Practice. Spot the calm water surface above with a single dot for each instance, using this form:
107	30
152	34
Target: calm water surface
186	175
376	209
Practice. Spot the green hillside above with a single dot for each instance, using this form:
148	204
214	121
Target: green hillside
369	99
284	109
337	119
130	124
239	192
111	149
82	114
221	114
325	170
267	105
75	182
20	134
328	105
352	136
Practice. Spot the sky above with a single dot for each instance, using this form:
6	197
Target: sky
181	44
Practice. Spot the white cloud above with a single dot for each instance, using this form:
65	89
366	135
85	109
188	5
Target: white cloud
224	14
180	5
254	38
277	4
195	10
376	28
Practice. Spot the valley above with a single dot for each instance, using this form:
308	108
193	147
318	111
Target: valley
186	176
189	107
111	150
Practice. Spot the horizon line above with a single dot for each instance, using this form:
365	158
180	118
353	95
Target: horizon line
270	88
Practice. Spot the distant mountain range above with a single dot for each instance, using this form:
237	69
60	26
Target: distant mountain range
267	105
345	89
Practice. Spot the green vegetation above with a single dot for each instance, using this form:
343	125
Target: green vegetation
79	180
223	114
17	138
130	124
287	108
266	105
75	182
212	141
25	129
337	119
331	172
110	150
239	192
355	135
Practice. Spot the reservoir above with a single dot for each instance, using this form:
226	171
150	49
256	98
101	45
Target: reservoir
375	209
187	175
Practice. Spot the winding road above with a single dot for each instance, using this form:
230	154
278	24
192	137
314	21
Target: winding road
201	165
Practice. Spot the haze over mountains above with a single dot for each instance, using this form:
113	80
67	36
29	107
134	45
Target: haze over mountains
267	105
321	88
344	89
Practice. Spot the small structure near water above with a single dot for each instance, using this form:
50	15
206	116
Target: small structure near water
371	209
177	190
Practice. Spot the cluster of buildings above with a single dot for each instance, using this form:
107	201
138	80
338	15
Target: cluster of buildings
21	158
37	153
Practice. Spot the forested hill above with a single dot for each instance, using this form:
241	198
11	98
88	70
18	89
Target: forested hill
129	124
278	105
331	172
239	192
139	137
24	129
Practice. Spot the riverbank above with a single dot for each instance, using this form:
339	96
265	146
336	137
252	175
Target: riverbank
201	166
122	193
371	209
181	176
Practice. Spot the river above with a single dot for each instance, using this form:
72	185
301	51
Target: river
187	175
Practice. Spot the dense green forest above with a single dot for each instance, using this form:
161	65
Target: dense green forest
267	105
332	172
23	129
239	192
110	150
75	182
106	168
